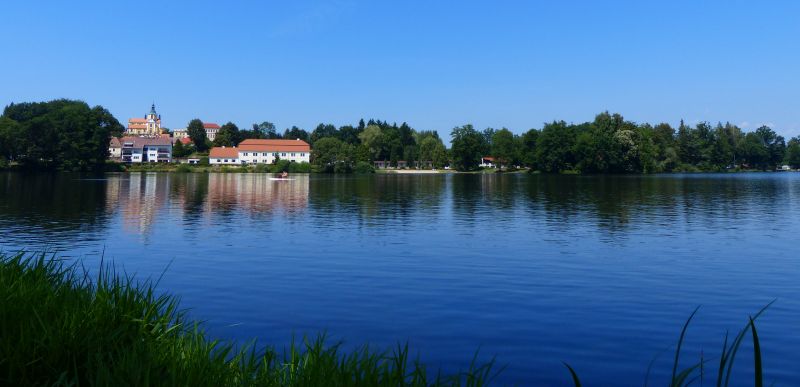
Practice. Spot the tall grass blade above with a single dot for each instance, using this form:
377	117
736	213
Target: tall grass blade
759	382
575	380
738	341
680	343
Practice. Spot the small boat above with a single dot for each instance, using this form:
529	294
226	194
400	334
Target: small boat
279	178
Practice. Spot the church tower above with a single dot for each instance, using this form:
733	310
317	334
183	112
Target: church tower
153	122
149	126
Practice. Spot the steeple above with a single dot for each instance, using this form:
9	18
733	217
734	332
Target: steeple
153	108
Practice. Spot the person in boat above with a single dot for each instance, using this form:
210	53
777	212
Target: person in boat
284	175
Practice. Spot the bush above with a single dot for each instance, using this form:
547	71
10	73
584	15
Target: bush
342	167
183	168
261	168
280	166
204	161
364	167
299	167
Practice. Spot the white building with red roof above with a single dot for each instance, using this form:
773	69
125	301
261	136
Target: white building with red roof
211	130
220	155
254	151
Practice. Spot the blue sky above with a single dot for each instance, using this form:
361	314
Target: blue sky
435	65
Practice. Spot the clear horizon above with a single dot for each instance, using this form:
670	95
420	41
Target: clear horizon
435	66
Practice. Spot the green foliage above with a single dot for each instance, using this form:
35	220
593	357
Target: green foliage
62	134
265	129
228	135
299	167
204	161
295	133
432	149
197	132
504	147
183	168
61	326
554	147
372	138
468	146
793	153
363	167
528	148
180	150
332	156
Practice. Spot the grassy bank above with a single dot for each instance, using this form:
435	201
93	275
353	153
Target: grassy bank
59	326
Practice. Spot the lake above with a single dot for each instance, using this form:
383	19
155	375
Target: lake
597	271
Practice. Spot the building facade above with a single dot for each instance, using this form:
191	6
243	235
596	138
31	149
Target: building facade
114	149
149	126
211	130
253	151
146	149
180	133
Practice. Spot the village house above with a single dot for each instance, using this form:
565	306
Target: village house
252	151
220	155
178	134
146	149
114	149
211	130
488	162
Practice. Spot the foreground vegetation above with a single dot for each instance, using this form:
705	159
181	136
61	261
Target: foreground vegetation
60	326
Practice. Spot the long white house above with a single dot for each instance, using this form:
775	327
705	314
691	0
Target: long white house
261	152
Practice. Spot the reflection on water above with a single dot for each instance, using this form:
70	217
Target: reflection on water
597	270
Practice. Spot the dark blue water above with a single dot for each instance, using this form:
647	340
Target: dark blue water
600	272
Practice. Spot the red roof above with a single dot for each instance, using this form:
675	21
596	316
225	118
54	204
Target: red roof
490	158
185	140
210	125
142	120
220	152
274	145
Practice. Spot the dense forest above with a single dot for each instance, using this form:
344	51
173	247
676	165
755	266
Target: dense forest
70	135
60	134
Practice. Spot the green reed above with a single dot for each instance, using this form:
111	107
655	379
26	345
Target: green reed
61	326
688	375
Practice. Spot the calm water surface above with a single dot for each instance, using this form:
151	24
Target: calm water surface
600	272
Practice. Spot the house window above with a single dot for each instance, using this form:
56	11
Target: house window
292	154
264	154
226	160
283	154
302	155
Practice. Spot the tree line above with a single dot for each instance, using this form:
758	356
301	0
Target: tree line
59	134
68	134
610	144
